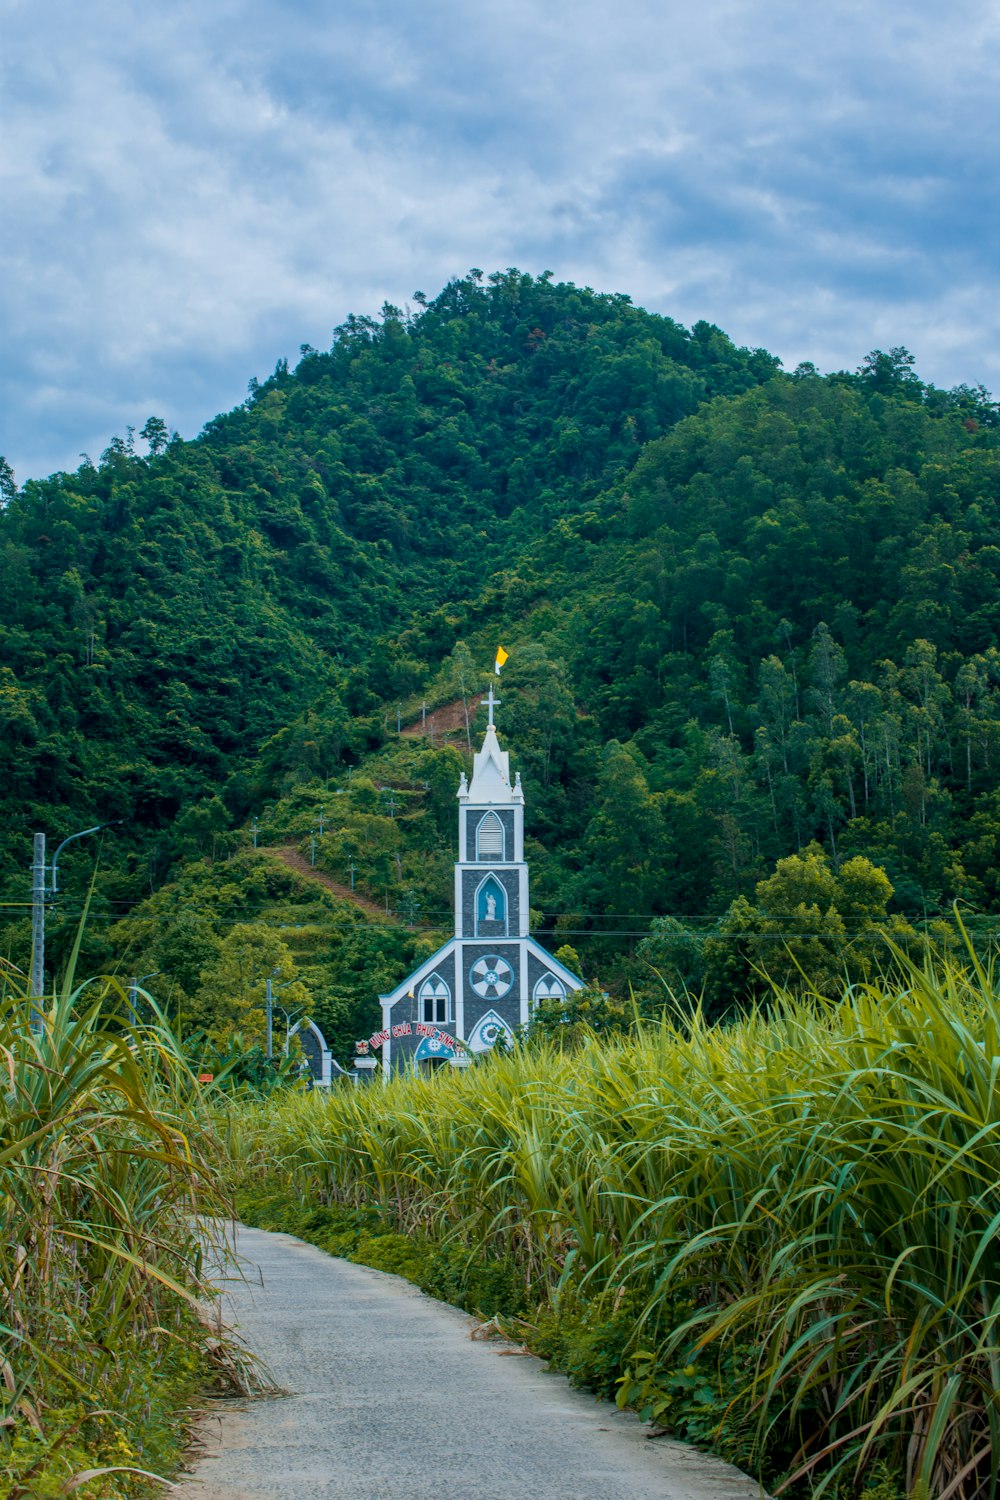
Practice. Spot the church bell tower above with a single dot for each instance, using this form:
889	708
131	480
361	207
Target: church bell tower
483	983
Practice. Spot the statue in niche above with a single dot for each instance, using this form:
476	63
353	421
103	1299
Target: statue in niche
491	907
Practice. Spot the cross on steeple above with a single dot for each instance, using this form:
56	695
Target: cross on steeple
492	703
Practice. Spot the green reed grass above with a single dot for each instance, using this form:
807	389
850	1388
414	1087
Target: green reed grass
819	1184
103	1174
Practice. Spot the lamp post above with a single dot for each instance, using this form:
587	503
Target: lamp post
38	912
115	822
37	932
270	989
290	1016
133	986
269	1009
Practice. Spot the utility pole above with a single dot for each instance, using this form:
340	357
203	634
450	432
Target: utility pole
133	992
38	913
322	815
399	719
352	867
465	706
253	826
312	847
269	999
37	932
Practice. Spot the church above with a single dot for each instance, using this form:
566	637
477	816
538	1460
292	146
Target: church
483	983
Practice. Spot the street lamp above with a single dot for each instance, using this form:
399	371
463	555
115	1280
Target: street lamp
290	1016
38	894
115	822
133	987
270	990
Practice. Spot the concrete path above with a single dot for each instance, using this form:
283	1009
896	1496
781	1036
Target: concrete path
390	1398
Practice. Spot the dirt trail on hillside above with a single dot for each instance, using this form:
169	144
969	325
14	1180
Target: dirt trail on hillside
290	856
447	720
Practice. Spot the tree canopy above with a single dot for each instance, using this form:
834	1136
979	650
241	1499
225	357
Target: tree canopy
753	617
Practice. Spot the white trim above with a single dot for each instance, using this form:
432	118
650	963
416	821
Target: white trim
456	944
449	1018
325	1055
415	976
387	1044
551	962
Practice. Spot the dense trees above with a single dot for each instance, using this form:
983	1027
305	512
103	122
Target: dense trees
748	614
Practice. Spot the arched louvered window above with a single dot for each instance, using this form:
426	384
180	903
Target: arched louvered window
435	1001
489	838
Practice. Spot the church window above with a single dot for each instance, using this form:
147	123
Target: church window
549	990
489	838
435	1001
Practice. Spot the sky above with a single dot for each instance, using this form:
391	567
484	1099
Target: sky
191	190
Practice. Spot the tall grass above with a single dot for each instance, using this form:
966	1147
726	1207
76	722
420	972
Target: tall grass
817	1188
101	1179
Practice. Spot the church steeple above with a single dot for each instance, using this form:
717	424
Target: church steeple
485	980
491	878
491	784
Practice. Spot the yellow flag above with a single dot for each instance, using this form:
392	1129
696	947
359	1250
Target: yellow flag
501	658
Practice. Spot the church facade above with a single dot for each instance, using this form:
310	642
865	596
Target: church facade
484	982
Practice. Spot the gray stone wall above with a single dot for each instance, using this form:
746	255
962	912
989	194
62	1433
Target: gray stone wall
477	1005
535	971
406	1009
472	878
508	1010
475	815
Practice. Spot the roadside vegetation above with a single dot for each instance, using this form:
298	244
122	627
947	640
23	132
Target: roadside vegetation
103	1172
776	1238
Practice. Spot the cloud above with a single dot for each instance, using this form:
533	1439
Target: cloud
194	191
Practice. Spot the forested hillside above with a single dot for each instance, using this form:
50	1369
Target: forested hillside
749	613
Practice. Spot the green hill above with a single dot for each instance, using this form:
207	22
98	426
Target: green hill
746	611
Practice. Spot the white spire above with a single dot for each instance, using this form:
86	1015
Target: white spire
491	781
